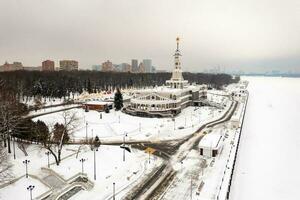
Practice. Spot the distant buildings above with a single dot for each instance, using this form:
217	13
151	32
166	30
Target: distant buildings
6	67
11	67
96	67
68	65
32	68
125	67
107	66
147	65
141	68
135	65
48	65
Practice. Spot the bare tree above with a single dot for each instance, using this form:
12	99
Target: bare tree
10	113
5	172
60	135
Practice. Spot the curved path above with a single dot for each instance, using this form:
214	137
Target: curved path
156	184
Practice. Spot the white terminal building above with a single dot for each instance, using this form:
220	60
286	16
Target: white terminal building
166	101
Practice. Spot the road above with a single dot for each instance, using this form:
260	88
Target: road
177	151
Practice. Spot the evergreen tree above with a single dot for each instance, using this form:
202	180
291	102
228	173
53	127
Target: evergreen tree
118	99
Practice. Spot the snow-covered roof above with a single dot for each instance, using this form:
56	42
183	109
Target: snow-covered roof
98	103
238	113
165	89
211	140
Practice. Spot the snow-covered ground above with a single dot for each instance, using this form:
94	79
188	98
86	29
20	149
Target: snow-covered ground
115	124
268	160
51	109
110	168
199	177
18	190
45	101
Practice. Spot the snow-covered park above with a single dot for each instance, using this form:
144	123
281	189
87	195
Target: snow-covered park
110	167
112	126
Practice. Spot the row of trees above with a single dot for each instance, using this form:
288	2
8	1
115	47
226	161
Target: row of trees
14	125
52	139
62	83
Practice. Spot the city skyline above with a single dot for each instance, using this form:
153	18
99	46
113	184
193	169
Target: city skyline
250	35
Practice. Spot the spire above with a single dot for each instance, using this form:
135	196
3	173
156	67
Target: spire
177	80
177	41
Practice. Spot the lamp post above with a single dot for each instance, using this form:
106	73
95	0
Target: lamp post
96	146
48	153
30	188
26	162
14	146
86	133
82	160
174	124
125	135
114	189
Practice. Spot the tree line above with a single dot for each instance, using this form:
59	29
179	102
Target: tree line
60	84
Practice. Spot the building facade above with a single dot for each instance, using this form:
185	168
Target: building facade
11	67
107	66
96	68
48	65
165	101
68	65
135	65
141	68
148	65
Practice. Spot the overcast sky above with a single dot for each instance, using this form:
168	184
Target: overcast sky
241	34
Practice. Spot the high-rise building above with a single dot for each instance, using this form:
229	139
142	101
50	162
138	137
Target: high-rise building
134	65
68	65
141	68
48	65
125	67
107	66
148	65
96	67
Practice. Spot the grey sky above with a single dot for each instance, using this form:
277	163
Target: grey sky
239	34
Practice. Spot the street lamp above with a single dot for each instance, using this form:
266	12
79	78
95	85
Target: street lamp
48	153
13	145
26	162
86	134
96	146
30	188
114	189
82	160
125	135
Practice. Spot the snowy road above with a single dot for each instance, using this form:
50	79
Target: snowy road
267	165
181	153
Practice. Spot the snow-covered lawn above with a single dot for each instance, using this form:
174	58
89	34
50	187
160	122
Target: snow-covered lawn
110	168
115	124
18	190
268	159
51	109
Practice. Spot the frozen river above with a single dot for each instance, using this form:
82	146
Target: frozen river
268	164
